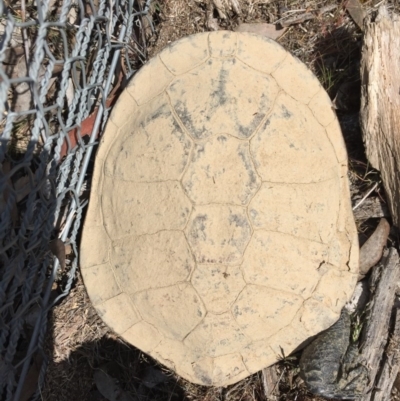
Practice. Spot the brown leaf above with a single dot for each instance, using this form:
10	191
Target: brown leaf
371	251
356	11
68	249
57	248
264	29
87	124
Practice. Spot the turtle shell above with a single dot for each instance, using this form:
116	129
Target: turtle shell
219	231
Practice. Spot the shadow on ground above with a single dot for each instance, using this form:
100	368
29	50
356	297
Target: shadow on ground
106	369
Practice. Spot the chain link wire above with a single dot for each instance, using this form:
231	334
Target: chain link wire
60	60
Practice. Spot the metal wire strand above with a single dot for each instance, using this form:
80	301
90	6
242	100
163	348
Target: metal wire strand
71	56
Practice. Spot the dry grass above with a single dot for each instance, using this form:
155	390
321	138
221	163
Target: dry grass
78	343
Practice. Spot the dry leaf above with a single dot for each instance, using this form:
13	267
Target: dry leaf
68	249
86	126
57	248
371	252
355	9
264	29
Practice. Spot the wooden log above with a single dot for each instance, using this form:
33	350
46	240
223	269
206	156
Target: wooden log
371	208
270	381
390	364
375	341
380	102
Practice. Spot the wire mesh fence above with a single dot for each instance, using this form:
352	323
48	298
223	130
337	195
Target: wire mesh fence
62	62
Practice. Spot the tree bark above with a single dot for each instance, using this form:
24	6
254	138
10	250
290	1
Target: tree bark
380	102
390	364
378	336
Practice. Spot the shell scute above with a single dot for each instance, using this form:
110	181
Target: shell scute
221	171
218	233
165	254
151	207
175	310
223	93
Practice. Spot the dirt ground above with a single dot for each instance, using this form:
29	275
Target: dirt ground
78	343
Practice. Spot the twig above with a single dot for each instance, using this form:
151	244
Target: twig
365	196
298	19
305	16
27	42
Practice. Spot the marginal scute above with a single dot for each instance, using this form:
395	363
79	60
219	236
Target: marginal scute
334	286
121	306
189	52
165	255
192	366
259	319
223	93
335	137
272	256
218	285
345	221
95	256
314	209
216	335
257	355
106	142
125	105
219	230
322	108
289	138
144	87
339	253
261	53
297	80
315	316
175	310
143	335
143	208
94	217
222	44
154	148
228	369
353	263
287	340
101	279
218	233
231	178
